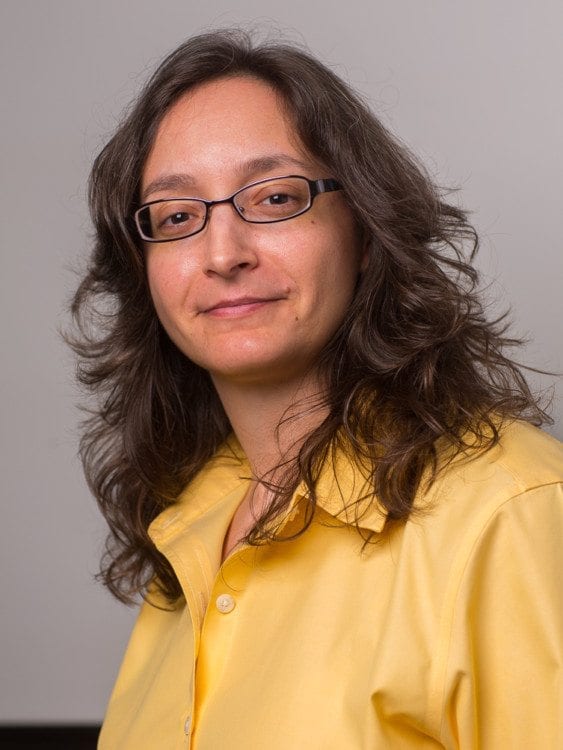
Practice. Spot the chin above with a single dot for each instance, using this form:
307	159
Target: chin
271	371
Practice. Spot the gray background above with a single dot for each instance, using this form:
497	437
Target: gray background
473	87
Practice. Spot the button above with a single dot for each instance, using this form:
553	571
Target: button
188	725
225	603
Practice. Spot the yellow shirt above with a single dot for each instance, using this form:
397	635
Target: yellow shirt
446	633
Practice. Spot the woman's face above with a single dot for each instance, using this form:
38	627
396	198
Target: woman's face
255	303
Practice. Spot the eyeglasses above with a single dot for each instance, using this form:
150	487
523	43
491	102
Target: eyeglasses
264	202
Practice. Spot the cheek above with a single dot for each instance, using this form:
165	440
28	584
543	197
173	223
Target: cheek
336	269
340	239
167	277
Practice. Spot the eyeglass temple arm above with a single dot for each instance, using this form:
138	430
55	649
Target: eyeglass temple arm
324	186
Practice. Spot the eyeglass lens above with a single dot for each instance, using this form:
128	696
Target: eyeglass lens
263	202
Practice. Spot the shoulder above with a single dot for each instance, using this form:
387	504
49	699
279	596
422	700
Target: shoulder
529	455
476	498
524	461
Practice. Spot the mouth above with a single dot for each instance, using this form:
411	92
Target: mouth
238	307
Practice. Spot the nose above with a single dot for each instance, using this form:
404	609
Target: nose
228	243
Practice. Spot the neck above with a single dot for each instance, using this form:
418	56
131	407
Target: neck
271	421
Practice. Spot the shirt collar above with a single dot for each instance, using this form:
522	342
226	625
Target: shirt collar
343	490
227	471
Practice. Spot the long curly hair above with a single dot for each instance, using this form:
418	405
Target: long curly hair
415	363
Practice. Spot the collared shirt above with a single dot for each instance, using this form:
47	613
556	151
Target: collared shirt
444	632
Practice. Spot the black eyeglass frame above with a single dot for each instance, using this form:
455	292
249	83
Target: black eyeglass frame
316	187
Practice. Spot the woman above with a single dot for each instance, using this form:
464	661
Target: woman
317	463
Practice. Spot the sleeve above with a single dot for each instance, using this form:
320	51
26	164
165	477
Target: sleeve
503	679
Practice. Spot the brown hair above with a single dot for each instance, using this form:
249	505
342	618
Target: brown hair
414	361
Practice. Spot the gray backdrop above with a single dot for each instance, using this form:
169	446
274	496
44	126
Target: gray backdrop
473	87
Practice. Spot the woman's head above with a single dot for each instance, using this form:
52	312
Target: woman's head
254	293
404	225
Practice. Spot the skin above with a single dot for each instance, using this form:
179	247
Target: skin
252	304
300	274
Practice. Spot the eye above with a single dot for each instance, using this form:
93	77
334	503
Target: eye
175	218
274	200
277	195
277	199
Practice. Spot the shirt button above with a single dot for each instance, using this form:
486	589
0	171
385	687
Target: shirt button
188	725
225	603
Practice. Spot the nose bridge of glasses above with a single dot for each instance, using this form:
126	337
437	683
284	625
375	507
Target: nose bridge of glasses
231	199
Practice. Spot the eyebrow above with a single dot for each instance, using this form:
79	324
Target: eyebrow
247	170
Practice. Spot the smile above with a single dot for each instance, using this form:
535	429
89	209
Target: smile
237	308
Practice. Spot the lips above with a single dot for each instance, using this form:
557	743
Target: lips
239	302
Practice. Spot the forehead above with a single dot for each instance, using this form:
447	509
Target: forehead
229	129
